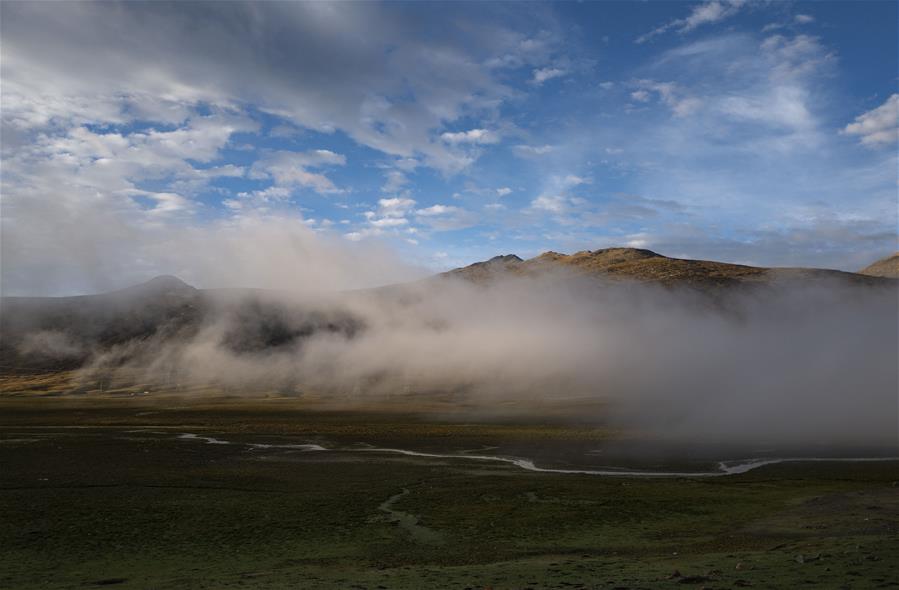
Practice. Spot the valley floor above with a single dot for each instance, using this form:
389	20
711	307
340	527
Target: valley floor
141	493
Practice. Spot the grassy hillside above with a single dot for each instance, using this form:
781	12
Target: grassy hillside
634	264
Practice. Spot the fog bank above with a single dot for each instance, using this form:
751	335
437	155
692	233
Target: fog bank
790	362
810	360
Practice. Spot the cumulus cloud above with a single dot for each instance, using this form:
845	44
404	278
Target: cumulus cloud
258	199
385	222
119	120
395	181
389	218
434	210
395	207
287	169
168	60
879	126
70	191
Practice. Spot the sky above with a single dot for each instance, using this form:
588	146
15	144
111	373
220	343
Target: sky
139	138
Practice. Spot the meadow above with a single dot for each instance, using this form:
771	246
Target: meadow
110	492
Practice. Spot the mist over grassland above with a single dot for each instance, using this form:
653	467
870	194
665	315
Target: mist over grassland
799	361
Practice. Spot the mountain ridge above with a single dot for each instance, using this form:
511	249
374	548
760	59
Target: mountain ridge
57	333
616	262
641	265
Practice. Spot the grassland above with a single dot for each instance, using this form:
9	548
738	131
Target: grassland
104	492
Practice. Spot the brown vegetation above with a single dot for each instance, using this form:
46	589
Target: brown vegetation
885	267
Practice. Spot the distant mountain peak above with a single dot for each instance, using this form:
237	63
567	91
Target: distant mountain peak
623	253
505	258
161	286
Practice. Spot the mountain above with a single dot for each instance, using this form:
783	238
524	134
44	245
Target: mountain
64	332
885	267
479	271
58	333
634	264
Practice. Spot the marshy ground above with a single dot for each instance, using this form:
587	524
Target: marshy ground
109	492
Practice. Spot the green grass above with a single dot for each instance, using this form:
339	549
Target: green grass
93	507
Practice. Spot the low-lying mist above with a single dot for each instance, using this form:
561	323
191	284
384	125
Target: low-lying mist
810	361
782	363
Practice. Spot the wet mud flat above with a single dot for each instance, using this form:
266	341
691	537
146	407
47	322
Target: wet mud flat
101	496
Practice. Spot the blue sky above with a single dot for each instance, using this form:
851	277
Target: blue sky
752	132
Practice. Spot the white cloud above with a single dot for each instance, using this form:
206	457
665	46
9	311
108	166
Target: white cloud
879	126
389	222
541	75
552	203
389	217
288	168
259	199
167	203
437	210
395	207
395	181
407	164
640	95
671	94
94	183
573	180
792	58
701	14
478	136
804	19
503	191
445	217
57	66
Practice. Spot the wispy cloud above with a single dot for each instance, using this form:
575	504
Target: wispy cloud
541	75
701	14
879	126
533	150
293	169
